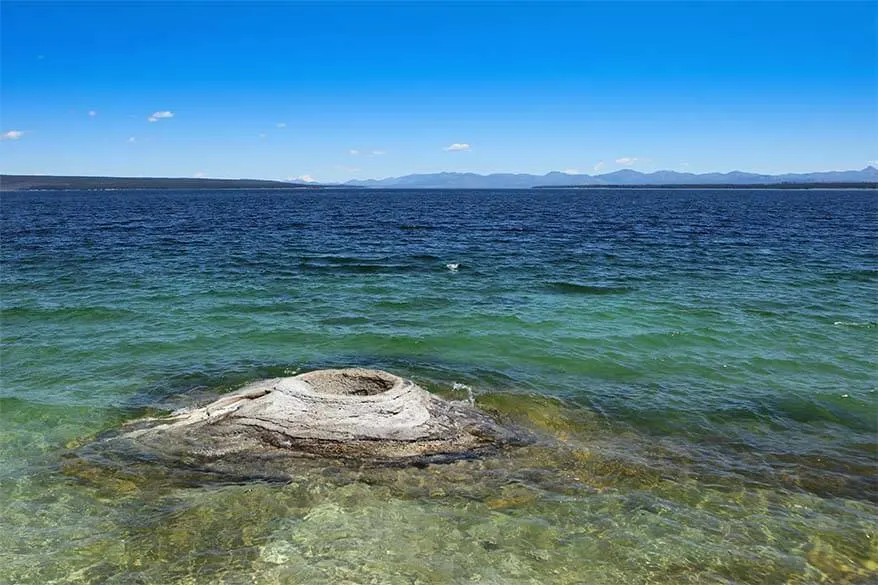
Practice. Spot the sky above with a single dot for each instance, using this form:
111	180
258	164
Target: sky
332	91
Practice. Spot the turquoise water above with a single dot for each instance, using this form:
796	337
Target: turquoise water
699	367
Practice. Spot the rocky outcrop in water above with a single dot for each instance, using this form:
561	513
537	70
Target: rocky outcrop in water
351	414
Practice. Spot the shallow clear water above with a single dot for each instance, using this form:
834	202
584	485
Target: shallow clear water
699	366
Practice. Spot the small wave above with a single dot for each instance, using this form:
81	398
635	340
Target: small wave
361	268
80	313
420	303
587	289
345	320
415	227
762	312
452	267
866	325
861	275
340	260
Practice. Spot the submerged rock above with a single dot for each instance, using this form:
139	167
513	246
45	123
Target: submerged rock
358	414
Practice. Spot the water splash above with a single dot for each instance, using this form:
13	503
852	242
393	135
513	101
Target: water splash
470	398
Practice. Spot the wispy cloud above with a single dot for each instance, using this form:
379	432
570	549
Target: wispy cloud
348	169
684	165
872	163
262	135
132	139
281	124
12	135
302	179
164	114
199	174
571	171
358	152
92	113
626	161
457	147
599	166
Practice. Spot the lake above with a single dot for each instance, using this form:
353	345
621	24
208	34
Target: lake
699	367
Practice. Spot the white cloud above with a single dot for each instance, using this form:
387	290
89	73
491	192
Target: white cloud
354	152
571	171
132	139
302	179
872	163
626	161
160	115
281	124
199	174
684	164
457	147
378	153
599	166
92	113
262	135
12	135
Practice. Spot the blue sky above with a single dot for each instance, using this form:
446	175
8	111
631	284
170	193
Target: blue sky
337	90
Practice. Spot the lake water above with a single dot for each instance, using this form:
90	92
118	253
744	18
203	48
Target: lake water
699	367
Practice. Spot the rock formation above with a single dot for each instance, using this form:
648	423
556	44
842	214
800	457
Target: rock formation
352	414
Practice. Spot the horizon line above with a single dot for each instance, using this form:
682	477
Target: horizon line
872	165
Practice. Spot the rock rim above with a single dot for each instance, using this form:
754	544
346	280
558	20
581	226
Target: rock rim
351	413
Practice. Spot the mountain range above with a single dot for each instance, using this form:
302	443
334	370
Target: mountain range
622	177
867	177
